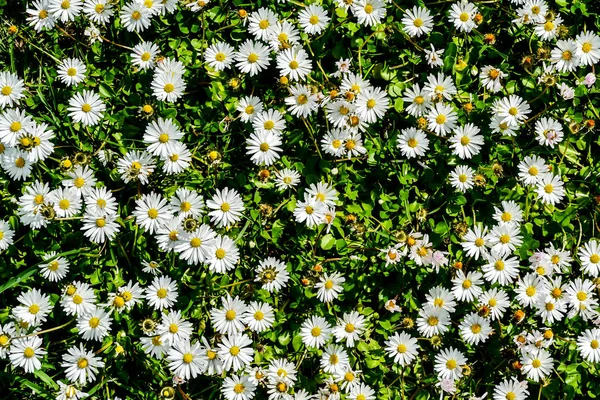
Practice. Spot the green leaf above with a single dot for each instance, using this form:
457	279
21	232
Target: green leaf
327	242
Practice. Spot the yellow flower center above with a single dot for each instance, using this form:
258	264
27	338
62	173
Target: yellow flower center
530	291
548	188
71	71
499	265
294	64
225	207
64	204
94	322
333	359
433	321
15	126
239	388
136	165
163	138
314	20
401	348
34	309
136	15
99	8
464	17
82	363
350	144
462	178
173	328
264	147
118	302
505	238
556	292
492	302
595	258
211	354
53	266
533	171
101	222
79	182
249	110
230	315
234	351
438	302
536	363
161	293
440	119
268	125
368	9
549	26
259	315
86	108
511	396
549	306
188	358
77	299
479	242
28	352
350	328
371	103
586	47
466	284
20	162
451	364
153	213
3	340
302	99
581	296
418	22
494	73
309	210
220	57
169	88
126	295
513	111
195	242
156	341
465	140
283	37
316	331
65	4
6	90
252	58
594	344
329	284
147	108
475	328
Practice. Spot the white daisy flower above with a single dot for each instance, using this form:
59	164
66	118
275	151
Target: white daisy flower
433	321
135	16
497	301
550	189
100	200
564	56
311	212
235	352
417	21
229	318
531	289
224	255
537	364
39	18
372	104
152	211
302	102
35	141
162	293
219	56
491	78
34	307
467	287
474	242
81	365
136	165
100	227
273	274
143	54
441	119
513	109
98	11
263	147
286	178
449	364
65	10
418	100
588	47
71	71
227	207
26	352
195	247
441	297
511	389
185	359
252	57
500	268
329	287
462	14
79	298
269	121
249	107
313	19
167	87
66	201
315	331
532	170
349	328
81	179
334	359
174	328
461	178
259	316
588	345
402	348
474	329
94	325
54	268
549	132
14	123
467	141
6	235
439	87
86	108
177	160
262	23
238	387
369	12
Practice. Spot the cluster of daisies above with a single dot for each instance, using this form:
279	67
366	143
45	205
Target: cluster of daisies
491	285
